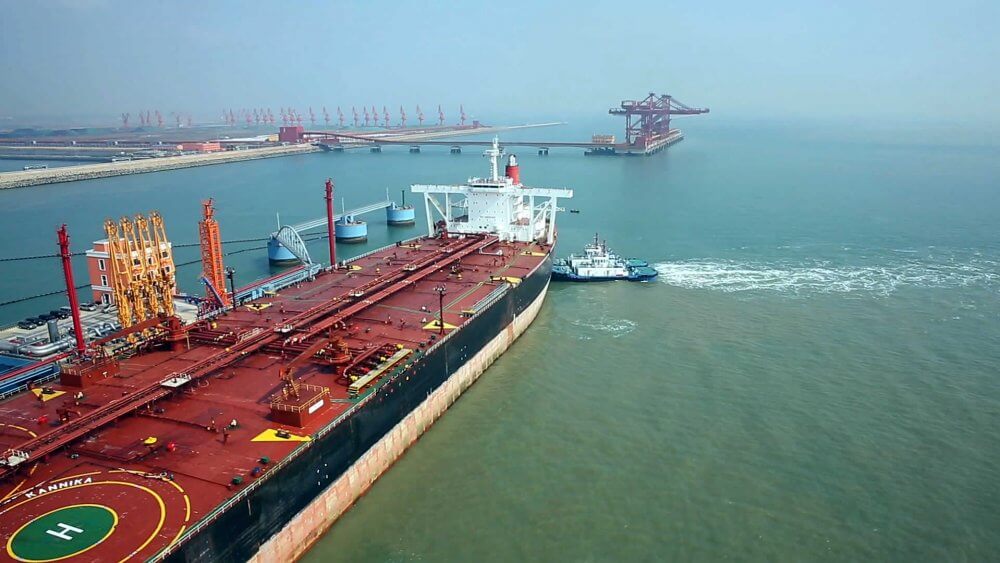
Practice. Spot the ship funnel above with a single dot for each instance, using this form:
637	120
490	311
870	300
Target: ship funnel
513	171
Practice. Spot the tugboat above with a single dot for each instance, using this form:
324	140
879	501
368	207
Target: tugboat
600	264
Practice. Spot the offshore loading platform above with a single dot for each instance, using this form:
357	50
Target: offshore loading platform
248	432
647	131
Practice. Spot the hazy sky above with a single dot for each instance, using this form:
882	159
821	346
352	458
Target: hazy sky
843	59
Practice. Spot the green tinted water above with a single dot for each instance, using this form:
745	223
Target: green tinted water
812	377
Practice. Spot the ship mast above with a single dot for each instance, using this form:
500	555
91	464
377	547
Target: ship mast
494	153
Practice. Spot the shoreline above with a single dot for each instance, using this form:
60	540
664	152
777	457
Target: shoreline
29	178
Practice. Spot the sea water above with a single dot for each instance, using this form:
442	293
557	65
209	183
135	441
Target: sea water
812	376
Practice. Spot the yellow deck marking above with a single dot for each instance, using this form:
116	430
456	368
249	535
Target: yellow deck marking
434	325
22	429
68	477
187	501
510	279
270	435
178	536
47	396
258	306
92	546
354	267
159	501
530	253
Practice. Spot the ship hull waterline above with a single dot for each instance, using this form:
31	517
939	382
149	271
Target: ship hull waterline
281	518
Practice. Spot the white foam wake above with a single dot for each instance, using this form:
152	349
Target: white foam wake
732	276
615	327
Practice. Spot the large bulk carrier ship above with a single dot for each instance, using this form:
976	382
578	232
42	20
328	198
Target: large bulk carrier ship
245	435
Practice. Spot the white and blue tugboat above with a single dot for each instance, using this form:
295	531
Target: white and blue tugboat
597	263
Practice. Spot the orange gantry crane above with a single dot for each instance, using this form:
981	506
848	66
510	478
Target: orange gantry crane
213	273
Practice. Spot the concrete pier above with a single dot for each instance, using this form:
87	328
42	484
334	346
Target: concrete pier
23	179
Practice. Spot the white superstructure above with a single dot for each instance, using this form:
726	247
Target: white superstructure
498	205
598	262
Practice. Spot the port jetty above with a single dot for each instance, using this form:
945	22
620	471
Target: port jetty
647	131
237	152
28	178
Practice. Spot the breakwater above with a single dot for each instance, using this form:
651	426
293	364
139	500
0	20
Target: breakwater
27	178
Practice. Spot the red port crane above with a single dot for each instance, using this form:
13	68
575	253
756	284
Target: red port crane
340	117
356	121
385	112
461	110
402	117
375	116
420	116
440	115
125	117
648	120
211	254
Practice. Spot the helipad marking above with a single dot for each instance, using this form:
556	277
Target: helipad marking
47	396
62	533
78	475
159	501
271	435
187	501
178	536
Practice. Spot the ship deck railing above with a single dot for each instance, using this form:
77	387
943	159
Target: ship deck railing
294	454
278	403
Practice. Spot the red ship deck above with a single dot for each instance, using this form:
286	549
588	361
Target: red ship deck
138	463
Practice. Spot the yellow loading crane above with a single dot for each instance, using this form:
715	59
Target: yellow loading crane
142	268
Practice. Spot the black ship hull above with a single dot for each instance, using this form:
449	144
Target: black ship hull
238	531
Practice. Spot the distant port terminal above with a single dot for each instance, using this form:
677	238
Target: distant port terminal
154	147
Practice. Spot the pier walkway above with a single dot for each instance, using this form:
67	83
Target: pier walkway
314	223
23	179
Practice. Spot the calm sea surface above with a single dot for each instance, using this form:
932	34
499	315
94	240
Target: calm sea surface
814	375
